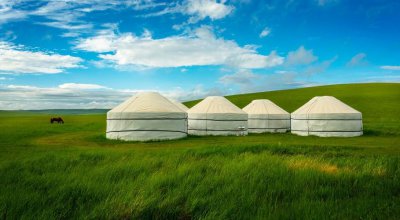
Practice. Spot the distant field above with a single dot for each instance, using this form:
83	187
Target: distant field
51	171
55	112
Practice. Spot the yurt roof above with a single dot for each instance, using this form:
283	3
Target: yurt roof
215	104
323	105
147	102
263	106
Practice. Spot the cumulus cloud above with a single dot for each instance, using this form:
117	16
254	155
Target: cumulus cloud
99	44
197	10
202	9
199	48
358	59
265	32
300	56
19	60
390	67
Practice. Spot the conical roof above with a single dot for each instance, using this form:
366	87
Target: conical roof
325	105
215	105
147	102
263	106
326	116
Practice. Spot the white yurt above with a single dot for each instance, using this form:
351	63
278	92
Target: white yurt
215	115
326	116
182	107
266	116
146	116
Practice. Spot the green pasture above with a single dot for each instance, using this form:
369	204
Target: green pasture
71	171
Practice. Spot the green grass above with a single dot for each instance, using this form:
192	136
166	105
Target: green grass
51	171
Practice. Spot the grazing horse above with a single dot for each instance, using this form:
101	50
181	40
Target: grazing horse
57	119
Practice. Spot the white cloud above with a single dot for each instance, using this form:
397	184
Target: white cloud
197	10
357	60
31	97
21	87
70	15
81	86
199	48
66	15
202	9
68	26
300	56
83	96
146	34
18	60
7	13
265	32
390	67
99	44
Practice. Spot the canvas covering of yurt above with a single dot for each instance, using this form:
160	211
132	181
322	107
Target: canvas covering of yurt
215	115
182	107
266	116
146	116
326	116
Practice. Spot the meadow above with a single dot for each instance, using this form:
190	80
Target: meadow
71	171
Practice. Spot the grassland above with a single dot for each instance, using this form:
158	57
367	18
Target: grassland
71	171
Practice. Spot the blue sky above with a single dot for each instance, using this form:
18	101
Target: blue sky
94	53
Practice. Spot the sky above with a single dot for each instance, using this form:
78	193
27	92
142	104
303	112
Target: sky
72	54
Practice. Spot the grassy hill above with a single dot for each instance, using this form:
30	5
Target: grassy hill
51	171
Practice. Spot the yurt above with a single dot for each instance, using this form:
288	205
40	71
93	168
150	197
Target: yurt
182	107
326	116
215	115
266	116
146	116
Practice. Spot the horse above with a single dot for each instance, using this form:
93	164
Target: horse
57	119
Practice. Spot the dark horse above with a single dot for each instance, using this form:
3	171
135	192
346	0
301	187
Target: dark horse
57	119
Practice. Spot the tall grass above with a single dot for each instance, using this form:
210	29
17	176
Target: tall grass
70	171
213	183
